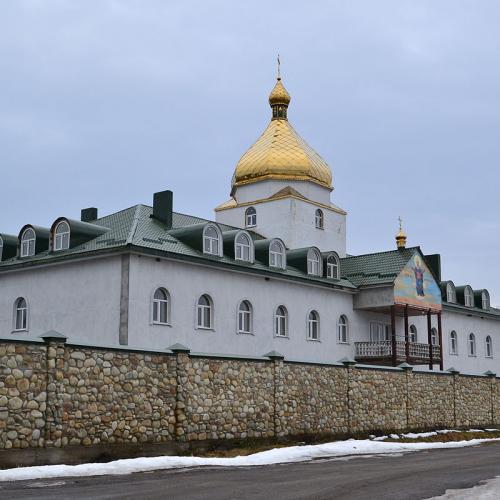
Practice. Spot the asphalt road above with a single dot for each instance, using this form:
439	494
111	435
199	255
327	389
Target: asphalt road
410	476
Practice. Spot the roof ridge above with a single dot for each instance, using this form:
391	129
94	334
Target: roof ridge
135	222
378	253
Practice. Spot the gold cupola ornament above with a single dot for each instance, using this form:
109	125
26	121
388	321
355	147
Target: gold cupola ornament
401	236
280	153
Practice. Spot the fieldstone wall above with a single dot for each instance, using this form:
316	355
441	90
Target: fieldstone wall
59	396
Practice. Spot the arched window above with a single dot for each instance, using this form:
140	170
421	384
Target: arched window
281	322
489	347
342	330
277	255
313	262
243	247
20	314
161	307
211	241
413	334
485	299
472	344
434	337
319	219
468	296
453	342
204	312
332	267
250	217
1	248
245	317
313	326
61	236
28	240
450	293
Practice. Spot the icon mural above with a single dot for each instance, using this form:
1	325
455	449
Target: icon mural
416	286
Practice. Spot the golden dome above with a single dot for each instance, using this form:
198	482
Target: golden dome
280	153
401	235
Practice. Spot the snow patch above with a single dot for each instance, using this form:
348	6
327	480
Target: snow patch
485	490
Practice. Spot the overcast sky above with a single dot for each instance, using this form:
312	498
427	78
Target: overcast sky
103	102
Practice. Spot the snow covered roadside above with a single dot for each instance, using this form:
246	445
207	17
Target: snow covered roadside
486	490
350	447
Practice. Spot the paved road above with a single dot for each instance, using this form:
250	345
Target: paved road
410	476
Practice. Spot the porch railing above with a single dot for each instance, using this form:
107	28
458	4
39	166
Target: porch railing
383	349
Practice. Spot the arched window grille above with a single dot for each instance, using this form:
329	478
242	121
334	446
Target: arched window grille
245	317
413	334
313	326
472	344
243	247
1	248
434	337
485	300
453	342
468	296
211	241
28	241
21	314
204	312
61	236
250	217
281	322
489	347
450	293
342	330
161	307
319	219
276	255
313	262
332	267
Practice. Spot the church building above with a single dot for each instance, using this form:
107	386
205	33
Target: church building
270	275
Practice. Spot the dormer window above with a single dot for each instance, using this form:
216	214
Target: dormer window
319	219
451	295
250	217
313	262
243	248
277	255
211	241
485	299
468	296
28	241
61	236
332	267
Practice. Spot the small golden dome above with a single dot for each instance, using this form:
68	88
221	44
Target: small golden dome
401	236
280	153
279	94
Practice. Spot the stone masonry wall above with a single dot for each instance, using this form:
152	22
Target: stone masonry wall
55	395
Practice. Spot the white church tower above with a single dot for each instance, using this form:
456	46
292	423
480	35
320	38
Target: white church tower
281	188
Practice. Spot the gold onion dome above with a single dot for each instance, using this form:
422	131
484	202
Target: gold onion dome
280	153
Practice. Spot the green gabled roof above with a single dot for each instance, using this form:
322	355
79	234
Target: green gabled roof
376	268
134	227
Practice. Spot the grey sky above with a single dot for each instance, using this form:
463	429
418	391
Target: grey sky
103	102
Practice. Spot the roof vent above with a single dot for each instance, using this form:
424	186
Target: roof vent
162	207
89	214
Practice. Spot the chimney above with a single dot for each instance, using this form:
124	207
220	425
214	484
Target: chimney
162	207
434	262
88	214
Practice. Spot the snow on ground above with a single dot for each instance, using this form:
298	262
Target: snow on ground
486	490
289	454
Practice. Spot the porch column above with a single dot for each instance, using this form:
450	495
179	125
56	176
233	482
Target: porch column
393	336
440	333
407	337
429	339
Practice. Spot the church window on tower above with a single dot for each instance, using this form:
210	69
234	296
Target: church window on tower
319	219
250	217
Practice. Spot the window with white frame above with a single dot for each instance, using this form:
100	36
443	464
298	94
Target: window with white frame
468	296
211	241
20	314
61	236
489	347
342	330
28	241
413	334
319	219
243	247
1	248
450	293
485	299
313	326
161	307
245	317
204	312
313	262
332	267
250	217
472	344
281	322
453	342
379	332
434	337
277	255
